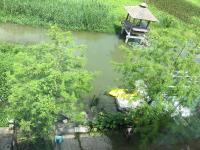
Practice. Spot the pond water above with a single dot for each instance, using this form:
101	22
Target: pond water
102	49
21	34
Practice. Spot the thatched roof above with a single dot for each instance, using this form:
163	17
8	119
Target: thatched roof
140	12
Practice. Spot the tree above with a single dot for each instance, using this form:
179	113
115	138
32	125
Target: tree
169	71
167	67
47	79
7	51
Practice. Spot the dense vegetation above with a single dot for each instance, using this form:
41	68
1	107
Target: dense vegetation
39	82
90	15
75	15
52	78
165	70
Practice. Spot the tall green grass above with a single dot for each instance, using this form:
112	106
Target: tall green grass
92	15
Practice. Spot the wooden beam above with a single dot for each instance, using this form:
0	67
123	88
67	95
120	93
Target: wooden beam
148	24
127	17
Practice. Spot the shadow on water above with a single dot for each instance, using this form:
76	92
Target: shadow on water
117	29
182	9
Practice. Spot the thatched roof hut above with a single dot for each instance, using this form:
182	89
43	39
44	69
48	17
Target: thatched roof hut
137	21
141	12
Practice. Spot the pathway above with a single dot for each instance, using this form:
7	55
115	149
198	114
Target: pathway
76	139
5	139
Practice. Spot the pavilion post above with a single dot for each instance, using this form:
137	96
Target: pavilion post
127	16
148	24
140	22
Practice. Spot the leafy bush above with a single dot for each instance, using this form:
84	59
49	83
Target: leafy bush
147	121
3	118
168	21
40	81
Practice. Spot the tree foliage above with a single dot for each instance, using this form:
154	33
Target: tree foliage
7	51
170	72
47	79
167	67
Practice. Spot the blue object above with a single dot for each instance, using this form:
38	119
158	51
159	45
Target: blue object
58	139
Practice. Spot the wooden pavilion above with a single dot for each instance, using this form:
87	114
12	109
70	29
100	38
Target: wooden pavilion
137	22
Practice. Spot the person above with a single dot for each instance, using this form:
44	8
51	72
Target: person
58	141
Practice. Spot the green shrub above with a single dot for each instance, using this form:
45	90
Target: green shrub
168	21
3	116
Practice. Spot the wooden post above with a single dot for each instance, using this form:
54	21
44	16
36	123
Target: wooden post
122	30
127	37
140	22
127	17
126	41
148	24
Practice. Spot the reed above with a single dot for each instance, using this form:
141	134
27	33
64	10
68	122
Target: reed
91	15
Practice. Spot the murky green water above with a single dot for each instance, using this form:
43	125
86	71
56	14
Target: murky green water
102	49
22	34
